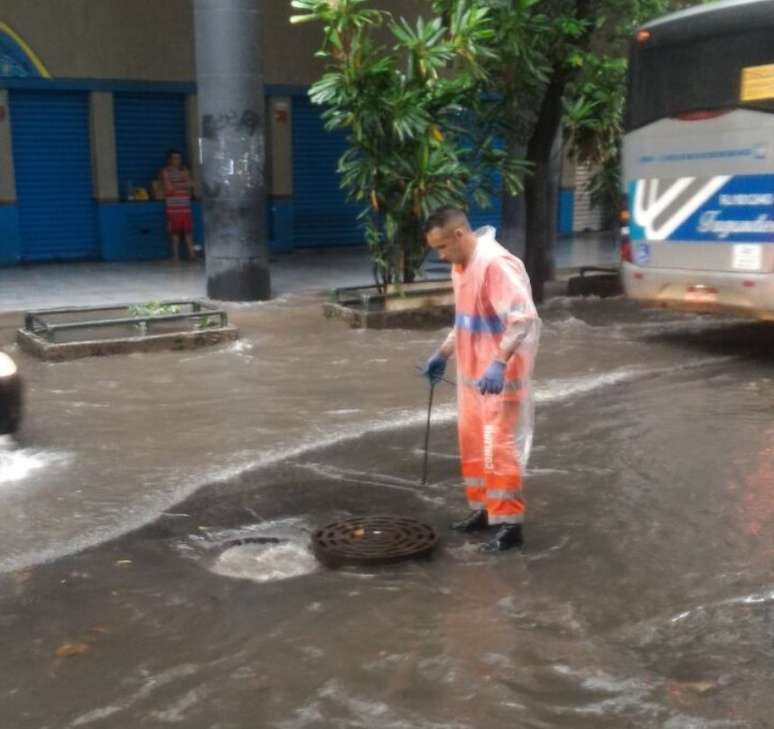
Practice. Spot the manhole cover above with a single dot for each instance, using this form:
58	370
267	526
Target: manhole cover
373	540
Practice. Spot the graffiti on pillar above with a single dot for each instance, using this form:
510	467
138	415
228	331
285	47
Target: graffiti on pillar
213	124
17	59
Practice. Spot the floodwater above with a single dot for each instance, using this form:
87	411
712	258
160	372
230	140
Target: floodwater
134	593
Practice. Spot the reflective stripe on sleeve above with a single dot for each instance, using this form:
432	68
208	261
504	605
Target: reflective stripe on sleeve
479	324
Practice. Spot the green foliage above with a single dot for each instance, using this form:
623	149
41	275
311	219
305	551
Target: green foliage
410	105
426	103
594	97
152	308
206	322
579	48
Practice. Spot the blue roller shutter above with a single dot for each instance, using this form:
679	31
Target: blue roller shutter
321	214
491	215
52	162
147	126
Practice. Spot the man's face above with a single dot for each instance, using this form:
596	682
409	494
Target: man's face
449	243
176	160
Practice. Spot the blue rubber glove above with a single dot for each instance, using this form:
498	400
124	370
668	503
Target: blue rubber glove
434	368
493	379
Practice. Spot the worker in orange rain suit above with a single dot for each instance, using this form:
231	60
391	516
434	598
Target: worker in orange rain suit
495	339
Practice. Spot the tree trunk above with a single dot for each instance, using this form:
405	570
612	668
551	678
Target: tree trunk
412	241
540	213
512	230
540	191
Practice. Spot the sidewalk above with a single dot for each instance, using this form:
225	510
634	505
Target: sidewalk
86	284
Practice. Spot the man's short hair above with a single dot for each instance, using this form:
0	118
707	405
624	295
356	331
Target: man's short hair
447	215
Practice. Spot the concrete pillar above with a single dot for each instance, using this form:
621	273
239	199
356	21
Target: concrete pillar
192	141
7	177
231	107
103	147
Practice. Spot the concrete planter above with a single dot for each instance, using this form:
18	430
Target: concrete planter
58	335
419	305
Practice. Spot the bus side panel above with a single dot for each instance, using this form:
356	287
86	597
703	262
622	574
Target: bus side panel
696	189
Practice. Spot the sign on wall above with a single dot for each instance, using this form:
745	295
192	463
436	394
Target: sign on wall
17	59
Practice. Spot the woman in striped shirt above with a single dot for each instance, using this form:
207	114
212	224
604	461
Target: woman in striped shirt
177	183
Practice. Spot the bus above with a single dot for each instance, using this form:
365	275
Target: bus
698	161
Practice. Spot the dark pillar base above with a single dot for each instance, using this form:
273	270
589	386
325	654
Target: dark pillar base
239	280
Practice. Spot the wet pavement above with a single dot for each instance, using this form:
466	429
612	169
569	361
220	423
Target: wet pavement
643	598
305	270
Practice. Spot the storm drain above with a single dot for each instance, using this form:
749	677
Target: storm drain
373	540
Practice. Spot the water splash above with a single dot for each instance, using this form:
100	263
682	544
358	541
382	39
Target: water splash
265	562
16	464
23	462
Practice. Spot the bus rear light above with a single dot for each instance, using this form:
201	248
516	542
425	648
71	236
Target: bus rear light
639	275
748	284
626	244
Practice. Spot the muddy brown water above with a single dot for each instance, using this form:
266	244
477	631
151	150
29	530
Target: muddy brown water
643	597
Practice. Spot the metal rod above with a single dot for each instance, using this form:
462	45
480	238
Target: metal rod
427	433
348	289
77	309
442	379
131	320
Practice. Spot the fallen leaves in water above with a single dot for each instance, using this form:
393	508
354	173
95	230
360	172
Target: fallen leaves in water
699	687
72	649
687	693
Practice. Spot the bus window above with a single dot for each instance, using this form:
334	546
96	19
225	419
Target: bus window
698	75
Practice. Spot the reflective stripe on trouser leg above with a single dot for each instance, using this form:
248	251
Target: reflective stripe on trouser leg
475	488
502	473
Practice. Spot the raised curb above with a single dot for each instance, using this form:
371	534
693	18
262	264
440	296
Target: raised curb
177	341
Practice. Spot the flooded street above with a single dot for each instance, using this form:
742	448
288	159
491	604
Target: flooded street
133	590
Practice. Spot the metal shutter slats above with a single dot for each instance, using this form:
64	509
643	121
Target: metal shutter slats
52	159
321	214
146	127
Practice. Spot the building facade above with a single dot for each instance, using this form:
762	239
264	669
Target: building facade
94	93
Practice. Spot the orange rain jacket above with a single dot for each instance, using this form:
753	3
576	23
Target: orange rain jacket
494	314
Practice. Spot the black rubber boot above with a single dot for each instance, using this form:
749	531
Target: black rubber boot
476	521
508	536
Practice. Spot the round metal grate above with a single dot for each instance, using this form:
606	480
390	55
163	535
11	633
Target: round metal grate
373	540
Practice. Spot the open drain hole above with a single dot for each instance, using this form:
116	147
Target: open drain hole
373	540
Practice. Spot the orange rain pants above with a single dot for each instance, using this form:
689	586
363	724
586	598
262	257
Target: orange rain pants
490	469
487	297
